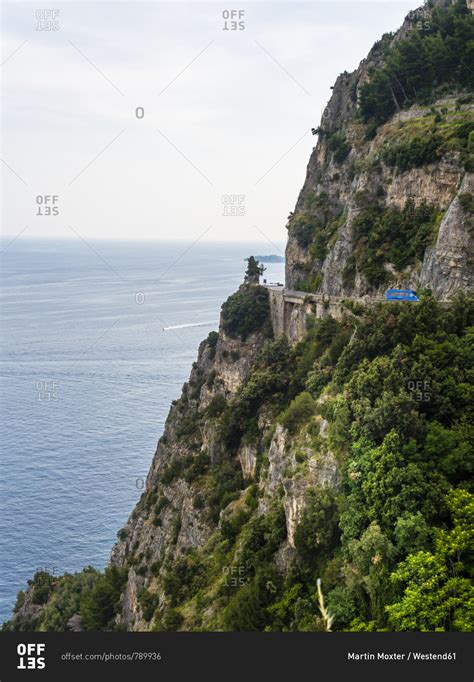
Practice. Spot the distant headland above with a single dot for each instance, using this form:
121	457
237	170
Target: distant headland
270	259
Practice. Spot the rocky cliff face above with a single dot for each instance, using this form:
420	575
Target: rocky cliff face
447	267
297	449
171	517
350	171
355	165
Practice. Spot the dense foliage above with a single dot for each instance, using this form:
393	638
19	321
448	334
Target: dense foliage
392	543
246	311
436	52
338	145
427	139
380	401
390	235
408	463
437	584
315	228
90	594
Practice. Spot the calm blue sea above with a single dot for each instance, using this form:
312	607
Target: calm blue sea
87	377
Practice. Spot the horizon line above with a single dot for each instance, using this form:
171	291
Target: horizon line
139	239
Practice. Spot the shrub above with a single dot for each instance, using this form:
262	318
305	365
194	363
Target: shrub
199	502
244	612
467	202
183	578
188	467
100	606
172	620
188	426
211	342
155	568
338	145
262	537
349	272
232	525
65	600
20	600
302	227
226	483
42	587
318	529
413	154
298	412
149	602
247	311
197	465
174	470
162	503
216	406
176	529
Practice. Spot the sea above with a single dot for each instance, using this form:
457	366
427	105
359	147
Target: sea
98	338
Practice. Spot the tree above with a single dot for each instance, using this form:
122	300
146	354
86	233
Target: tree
367	571
298	412
318	531
438	591
247	311
99	607
420	62
254	271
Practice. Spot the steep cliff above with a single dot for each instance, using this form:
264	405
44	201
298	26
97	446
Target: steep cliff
280	464
387	184
317	440
192	478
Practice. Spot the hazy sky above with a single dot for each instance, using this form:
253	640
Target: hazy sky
226	113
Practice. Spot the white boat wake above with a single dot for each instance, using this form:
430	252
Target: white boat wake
192	324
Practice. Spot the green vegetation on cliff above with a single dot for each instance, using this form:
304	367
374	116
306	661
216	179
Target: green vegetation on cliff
381	236
90	593
392	542
397	398
347	458
404	115
438	51
390	235
426	139
246	311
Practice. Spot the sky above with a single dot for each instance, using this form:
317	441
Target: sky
156	120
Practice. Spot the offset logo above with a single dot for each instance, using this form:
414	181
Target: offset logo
47	204
233	204
31	656
233	20
47	20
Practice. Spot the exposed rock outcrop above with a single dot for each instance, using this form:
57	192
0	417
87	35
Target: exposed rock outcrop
173	516
254	448
335	187
447	267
